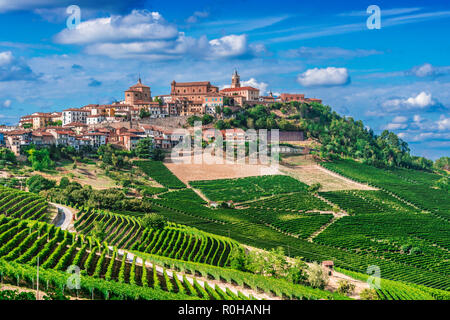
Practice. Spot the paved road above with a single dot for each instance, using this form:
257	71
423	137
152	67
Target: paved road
66	217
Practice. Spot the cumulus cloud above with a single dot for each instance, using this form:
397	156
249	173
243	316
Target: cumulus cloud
138	25
229	46
422	101
330	76
262	86
12	68
146	35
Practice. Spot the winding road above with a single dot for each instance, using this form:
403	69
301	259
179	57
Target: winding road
66	218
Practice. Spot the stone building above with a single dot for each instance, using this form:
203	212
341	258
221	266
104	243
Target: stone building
138	94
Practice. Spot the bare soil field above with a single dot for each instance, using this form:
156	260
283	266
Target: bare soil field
192	172
85	174
330	181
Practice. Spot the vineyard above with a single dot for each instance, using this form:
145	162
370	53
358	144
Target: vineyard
174	241
267	223
159	172
106	274
412	186
405	235
21	204
251	188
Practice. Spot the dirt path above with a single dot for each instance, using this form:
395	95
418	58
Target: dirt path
23	289
329	180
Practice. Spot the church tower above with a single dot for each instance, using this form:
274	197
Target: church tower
235	80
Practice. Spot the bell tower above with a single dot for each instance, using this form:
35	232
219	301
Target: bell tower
235	80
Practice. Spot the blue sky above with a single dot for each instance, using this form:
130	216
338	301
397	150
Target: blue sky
396	78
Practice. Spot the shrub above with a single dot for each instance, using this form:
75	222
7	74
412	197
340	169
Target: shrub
345	287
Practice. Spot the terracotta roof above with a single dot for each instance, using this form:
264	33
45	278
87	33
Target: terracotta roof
239	89
75	109
195	83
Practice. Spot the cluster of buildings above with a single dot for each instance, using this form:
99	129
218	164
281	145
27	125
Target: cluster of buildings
94	124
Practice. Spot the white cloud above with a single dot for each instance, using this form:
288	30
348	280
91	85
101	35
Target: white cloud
428	70
138	25
400	119
6	57
262	86
228	46
443	123
197	14
12	68
330	76
146	35
421	101
417	118
6	103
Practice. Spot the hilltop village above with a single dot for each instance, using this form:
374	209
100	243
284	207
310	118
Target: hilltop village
125	122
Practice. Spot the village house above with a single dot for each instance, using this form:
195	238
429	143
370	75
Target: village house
75	115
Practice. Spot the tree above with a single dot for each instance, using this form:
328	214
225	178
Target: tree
207	119
158	154
159	100
40	159
314	188
64	182
317	278
297	272
144	113
7	155
144	148
443	183
38	183
99	231
227	112
239	259
442	163
368	294
345	287
153	221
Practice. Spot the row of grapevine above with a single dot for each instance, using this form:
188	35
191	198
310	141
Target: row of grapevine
159	172
245	189
57	249
174	241
21	204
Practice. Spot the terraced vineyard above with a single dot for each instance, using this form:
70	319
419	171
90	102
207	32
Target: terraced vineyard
159	172
362	202
294	202
246	227
106	273
21	204
174	241
395	290
301	225
415	187
251	188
